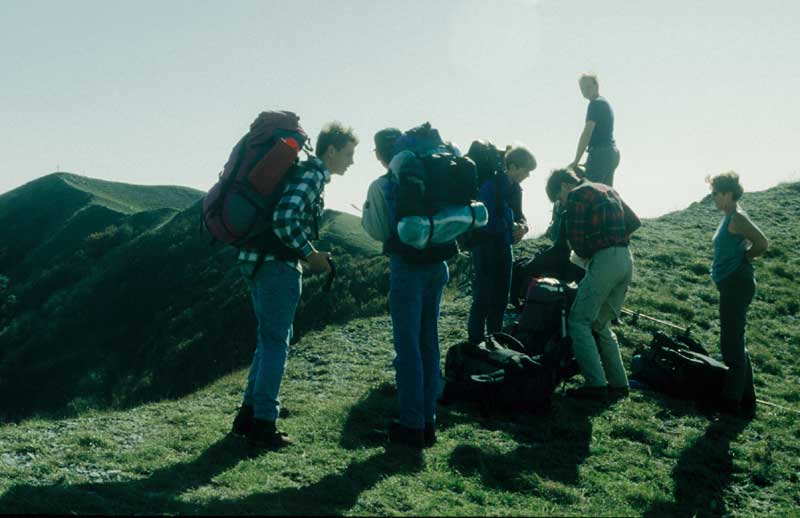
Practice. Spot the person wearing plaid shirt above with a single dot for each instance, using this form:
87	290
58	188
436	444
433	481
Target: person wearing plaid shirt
276	284
598	227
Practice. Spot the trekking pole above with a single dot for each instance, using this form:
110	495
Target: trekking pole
773	405
357	209
637	314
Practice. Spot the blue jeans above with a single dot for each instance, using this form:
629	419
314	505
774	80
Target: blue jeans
491	282
275	293
414	298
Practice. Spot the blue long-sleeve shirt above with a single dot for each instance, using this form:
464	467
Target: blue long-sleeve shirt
501	218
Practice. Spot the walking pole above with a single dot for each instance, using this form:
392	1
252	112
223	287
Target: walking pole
636	315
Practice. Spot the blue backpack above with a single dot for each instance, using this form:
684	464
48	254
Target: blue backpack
433	177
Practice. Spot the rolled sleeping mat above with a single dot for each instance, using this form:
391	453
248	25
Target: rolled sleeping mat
443	227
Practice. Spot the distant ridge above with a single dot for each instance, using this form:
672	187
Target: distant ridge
46	220
129	198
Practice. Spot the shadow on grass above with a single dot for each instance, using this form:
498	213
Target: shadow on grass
551	446
162	491
367	421
703	473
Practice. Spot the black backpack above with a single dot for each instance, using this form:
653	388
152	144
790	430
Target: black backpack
498	376
544	315
681	367
436	177
489	165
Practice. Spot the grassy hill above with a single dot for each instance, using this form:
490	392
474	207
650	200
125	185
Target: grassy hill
46	221
650	455
116	308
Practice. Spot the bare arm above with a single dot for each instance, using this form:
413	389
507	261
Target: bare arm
583	142
740	224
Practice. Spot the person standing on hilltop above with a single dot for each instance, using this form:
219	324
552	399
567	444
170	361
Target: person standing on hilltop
492	254
737	242
598	227
418	278
597	135
275	285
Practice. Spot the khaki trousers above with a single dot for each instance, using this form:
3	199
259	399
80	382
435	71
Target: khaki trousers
599	300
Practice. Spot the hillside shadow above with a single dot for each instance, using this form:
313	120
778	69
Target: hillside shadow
703	473
162	491
159	328
552	446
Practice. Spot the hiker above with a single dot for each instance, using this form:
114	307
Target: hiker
737	242
515	201
598	227
597	135
275	285
418	278
492	255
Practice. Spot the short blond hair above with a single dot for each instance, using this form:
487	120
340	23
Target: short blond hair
586	76
520	156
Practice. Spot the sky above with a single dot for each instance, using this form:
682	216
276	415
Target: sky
158	92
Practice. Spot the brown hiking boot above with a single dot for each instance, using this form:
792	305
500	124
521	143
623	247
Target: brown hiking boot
265	436
243	421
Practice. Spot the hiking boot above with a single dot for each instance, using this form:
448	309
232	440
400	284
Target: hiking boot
243	421
745	410
617	393
599	394
265	436
748	409
430	434
413	437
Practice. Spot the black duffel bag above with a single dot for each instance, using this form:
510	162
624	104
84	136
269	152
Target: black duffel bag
498	376
681	367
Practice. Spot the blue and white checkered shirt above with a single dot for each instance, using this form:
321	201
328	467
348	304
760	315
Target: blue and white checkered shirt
294	215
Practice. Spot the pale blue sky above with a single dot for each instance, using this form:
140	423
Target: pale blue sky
157	92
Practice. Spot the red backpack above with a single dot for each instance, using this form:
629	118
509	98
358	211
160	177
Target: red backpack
240	205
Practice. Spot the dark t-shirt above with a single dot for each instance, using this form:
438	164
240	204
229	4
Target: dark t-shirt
601	113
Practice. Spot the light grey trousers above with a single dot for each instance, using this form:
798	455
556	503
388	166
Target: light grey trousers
598	301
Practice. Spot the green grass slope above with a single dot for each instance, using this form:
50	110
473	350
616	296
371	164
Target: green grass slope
649	455
143	309
45	221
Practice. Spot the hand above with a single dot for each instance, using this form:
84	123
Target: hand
518	232
317	262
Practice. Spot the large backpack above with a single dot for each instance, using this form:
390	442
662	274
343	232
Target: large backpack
239	207
488	160
681	367
498	376
545	313
428	179
430	174
489	166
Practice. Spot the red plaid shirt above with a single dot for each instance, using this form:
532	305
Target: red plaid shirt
597	218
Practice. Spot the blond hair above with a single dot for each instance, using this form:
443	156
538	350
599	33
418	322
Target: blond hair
520	156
